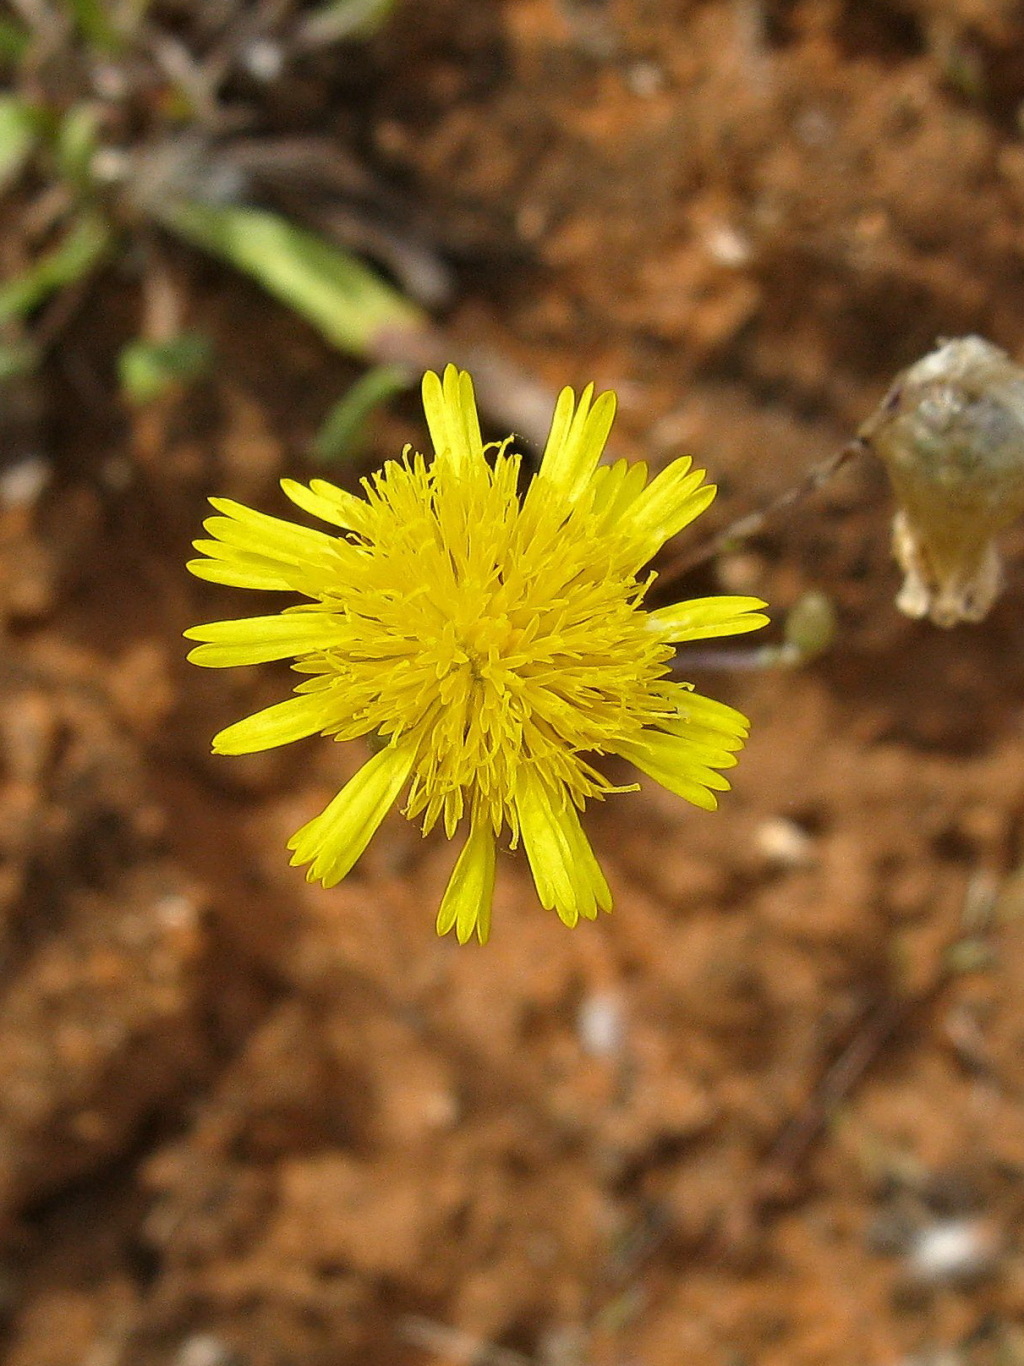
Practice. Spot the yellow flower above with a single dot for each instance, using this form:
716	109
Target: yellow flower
495	645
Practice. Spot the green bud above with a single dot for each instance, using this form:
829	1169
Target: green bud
810	626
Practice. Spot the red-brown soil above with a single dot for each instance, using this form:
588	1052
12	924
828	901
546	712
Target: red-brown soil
243	1120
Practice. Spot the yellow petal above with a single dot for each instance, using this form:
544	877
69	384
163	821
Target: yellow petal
450	409
280	724
271	536
467	901
256	640
616	488
576	441
669	502
677	764
713	743
706	711
330	504
702	618
240	571
251	550
332	842
566	874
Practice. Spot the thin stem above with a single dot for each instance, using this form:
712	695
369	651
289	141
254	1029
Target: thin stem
754	522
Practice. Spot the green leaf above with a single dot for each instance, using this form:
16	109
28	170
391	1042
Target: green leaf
341	19
95	24
19	131
76	143
16	359
148	370
343	429
14	41
349	303
80	251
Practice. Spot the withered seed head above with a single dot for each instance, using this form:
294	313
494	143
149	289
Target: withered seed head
951	433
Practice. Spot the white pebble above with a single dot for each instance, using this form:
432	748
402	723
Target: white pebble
784	843
263	59
600	1024
175	912
952	1250
23	482
728	246
203	1349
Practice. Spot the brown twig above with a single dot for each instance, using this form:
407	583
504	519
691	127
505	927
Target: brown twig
754	522
874	1030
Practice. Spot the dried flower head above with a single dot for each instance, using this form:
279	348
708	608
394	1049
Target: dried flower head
951	433
494	645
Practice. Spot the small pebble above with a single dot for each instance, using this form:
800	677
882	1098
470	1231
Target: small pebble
952	1250
263	59
784	843
22	483
600	1025
204	1349
742	571
645	79
175	912
728	246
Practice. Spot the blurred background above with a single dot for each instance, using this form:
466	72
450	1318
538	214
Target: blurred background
769	1112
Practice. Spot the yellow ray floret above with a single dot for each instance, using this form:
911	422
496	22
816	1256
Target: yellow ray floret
495	645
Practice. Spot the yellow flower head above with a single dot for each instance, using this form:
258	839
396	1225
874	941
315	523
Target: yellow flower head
495	645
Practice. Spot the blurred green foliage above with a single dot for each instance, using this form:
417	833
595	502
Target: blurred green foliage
149	370
116	126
